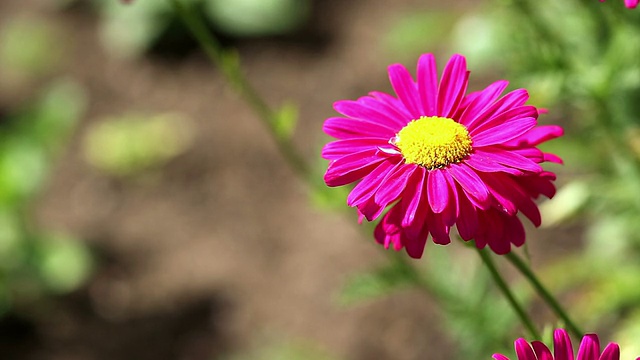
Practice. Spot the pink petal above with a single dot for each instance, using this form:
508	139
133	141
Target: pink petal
394	184
394	105
524	351
541	350
470	182
350	168
481	100
500	357
340	148
366	188
369	109
467	223
453	85
428	83
415	245
504	132
343	128
437	190
483	163
589	348
439	231
509	158
406	89
383	110
611	352
414	198
537	136
511	100
562	348
513	114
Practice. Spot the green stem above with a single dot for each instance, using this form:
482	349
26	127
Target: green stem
526	320
229	64
544	294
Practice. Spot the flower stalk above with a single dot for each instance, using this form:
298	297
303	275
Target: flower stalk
551	301
229	64
504	288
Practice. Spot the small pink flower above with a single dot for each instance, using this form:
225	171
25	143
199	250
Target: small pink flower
563	350
441	158
631	4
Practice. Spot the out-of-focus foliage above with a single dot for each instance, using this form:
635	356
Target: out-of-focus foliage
462	288
29	49
285	350
132	29
33	261
133	143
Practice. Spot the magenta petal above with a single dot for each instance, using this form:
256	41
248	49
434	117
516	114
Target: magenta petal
451	212
481	100
589	348
510	158
453	85
414	196
343	128
470	182
439	231
369	109
468	220
366	188
611	352
513	114
541	350
538	135
437	190
500	357
385	112
415	245
393	185
514	230
483	163
394	105
340	148
496	235
511	100
406	89
428	83
350	168
562	348
504	132
524	351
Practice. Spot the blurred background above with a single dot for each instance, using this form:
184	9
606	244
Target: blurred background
145	213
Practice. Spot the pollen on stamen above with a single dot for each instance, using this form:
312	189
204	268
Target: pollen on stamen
433	142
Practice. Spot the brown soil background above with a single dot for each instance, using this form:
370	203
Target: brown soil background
220	251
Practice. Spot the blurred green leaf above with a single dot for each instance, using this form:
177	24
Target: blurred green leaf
29	48
133	143
413	33
63	262
285	120
377	283
257	17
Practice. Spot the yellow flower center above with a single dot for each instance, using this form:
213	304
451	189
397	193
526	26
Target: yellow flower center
433	142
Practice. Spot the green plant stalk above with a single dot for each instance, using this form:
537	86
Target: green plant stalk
502	285
229	64
544	294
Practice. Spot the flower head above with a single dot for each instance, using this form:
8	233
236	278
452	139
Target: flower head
441	158
631	4
563	350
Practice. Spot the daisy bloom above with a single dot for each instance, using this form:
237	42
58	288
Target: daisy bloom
563	350
631	4
439	157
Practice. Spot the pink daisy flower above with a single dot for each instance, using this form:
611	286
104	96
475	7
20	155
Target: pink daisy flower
563	350
631	4
441	158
